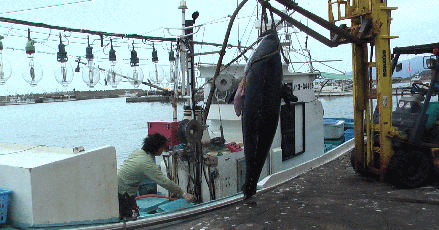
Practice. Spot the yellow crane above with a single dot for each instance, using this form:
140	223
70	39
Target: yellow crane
370	18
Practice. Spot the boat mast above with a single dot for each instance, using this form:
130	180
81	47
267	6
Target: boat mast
175	98
183	63
187	69
181	56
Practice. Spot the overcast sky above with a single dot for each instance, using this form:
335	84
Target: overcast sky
414	24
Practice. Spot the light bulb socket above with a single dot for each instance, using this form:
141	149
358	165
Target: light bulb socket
155	57
134	60
112	54
61	56
30	48
171	55
89	53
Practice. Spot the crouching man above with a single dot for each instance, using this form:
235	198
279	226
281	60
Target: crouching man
136	168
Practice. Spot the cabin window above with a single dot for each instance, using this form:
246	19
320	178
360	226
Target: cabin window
292	130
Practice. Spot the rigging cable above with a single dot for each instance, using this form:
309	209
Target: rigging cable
100	33
45	7
320	62
300	46
220	60
248	38
311	67
239	47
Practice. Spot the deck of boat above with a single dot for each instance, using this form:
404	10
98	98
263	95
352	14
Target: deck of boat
329	197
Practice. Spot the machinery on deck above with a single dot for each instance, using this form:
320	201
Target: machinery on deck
415	141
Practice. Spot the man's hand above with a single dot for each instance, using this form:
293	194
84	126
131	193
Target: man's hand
188	197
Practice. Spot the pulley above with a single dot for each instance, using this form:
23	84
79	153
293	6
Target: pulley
189	131
225	82
221	96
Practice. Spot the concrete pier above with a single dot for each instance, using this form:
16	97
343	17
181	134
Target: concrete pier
329	197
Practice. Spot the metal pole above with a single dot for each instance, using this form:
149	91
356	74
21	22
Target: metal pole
183	57
174	102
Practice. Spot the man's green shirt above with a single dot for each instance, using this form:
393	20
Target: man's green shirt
136	168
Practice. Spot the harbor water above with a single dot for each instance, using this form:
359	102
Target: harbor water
101	122
88	123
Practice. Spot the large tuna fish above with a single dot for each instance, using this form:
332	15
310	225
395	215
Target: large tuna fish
261	96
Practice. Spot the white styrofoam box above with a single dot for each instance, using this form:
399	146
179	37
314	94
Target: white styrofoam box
51	186
333	129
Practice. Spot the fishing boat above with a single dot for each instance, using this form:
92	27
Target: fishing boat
35	174
55	187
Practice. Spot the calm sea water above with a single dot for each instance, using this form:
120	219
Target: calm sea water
88	123
100	122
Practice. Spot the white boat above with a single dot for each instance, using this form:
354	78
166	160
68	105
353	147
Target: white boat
332	86
417	78
53	186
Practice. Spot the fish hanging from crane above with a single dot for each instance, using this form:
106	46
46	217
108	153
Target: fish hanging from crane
258	97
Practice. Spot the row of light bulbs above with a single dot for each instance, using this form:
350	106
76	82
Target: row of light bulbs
91	72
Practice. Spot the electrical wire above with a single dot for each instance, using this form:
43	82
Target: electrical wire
248	38
45	7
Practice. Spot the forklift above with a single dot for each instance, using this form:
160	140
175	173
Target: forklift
401	146
414	156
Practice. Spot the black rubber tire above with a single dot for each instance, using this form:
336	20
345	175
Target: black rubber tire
353	159
409	169
360	170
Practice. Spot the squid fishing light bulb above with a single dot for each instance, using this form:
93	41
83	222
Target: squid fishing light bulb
33	73
90	74
135	75
64	73
114	74
5	67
